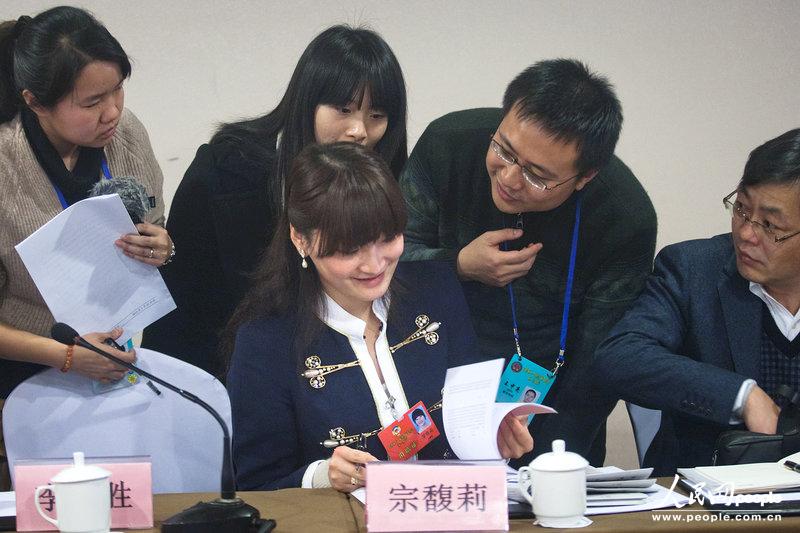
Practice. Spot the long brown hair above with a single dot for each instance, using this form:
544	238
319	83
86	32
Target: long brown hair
345	194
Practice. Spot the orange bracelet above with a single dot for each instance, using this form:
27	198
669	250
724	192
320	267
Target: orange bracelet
68	360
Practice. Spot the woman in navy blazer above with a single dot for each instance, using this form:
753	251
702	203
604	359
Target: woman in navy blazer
330	291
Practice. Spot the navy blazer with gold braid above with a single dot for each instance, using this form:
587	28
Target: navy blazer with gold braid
279	420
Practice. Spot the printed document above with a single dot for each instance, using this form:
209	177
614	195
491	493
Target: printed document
85	279
470	414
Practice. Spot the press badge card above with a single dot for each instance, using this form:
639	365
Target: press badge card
524	381
409	434
130	377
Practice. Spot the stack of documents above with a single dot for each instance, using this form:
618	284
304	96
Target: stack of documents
755	484
613	490
613	487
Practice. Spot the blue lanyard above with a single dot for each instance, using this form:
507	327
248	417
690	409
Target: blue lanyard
64	203
567	292
106	171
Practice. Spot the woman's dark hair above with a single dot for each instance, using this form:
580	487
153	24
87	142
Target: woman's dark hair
335	69
418	412
342	195
45	55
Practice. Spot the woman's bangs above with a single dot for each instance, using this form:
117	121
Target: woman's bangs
386	91
342	89
370	215
353	79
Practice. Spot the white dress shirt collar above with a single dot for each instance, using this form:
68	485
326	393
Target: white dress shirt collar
345	323
787	323
389	396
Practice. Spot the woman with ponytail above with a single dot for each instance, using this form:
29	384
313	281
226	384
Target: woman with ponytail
63	127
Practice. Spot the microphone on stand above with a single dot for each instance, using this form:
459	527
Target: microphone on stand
226	513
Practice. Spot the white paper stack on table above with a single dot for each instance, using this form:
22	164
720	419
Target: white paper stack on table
612	490
735	485
612	486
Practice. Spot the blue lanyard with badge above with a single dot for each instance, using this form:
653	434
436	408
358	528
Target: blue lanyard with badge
523	380
130	377
64	204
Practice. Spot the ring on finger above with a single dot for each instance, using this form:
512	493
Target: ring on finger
353	481
152	253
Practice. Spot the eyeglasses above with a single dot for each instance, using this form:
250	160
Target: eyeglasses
529	175
739	214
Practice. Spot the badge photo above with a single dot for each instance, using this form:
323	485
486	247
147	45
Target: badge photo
409	434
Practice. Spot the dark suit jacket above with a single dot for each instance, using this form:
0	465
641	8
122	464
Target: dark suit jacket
279	420
685	347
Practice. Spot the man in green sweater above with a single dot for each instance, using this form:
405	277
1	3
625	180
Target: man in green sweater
508	194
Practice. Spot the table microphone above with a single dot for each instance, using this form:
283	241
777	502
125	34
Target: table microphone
226	513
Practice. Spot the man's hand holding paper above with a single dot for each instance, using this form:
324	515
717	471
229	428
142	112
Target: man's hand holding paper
476	426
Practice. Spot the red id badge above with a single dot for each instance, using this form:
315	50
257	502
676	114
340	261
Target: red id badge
407	436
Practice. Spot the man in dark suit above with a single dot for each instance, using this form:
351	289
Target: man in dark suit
714	334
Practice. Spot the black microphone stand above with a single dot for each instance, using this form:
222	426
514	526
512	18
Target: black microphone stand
227	513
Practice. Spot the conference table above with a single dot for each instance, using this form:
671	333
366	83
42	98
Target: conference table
325	510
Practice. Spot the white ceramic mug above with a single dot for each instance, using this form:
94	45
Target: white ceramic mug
555	486
83	498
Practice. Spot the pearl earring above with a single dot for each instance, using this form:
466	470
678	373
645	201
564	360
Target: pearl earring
303	263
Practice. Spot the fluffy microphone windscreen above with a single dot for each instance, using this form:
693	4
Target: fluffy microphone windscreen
130	191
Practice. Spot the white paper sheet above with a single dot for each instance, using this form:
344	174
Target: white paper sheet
86	281
8	504
606	490
745	478
360	494
619	496
613	473
621	484
471	416
660	499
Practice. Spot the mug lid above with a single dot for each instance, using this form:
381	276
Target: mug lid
559	460
80	471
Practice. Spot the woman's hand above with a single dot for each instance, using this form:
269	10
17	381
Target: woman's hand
346	468
514	440
95	366
152	246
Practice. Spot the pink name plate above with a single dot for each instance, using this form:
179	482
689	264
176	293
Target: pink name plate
436	496
130	486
